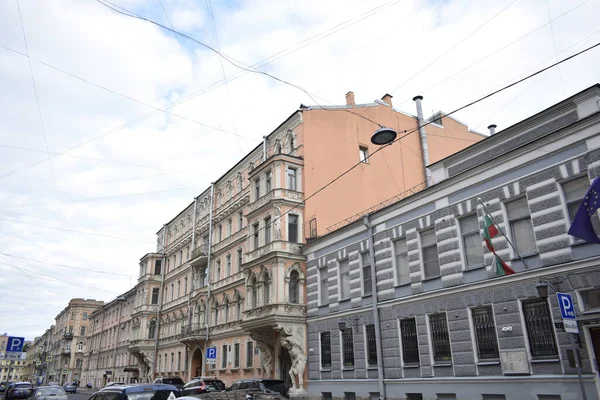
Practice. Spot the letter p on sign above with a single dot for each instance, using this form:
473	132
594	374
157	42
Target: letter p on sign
15	344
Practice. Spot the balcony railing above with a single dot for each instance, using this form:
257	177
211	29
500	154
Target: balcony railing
194	331
286	194
226	281
268	314
199	256
278	245
231	239
68	335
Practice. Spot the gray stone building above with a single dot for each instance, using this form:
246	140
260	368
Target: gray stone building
443	324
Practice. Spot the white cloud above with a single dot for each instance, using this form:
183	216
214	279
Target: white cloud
369	56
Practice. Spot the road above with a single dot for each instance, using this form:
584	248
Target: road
81	394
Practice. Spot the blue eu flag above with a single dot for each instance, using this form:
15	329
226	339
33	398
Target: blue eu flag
581	226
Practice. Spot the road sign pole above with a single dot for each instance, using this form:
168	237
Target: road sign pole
578	361
8	378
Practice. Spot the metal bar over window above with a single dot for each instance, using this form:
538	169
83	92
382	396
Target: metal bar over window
539	328
485	333
348	347
325	350
371	345
440	338
410	345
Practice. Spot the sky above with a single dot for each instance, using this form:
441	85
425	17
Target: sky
112	125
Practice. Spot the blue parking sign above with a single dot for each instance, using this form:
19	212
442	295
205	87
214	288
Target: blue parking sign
15	344
211	355
565	303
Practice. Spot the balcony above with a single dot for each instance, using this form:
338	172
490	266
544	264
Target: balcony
271	314
137	345
273	247
228	280
192	333
199	256
291	196
146	308
65	353
241	234
68	336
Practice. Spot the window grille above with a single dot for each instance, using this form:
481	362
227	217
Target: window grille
371	345
410	344
325	350
485	333
414	396
348	347
440	338
540	332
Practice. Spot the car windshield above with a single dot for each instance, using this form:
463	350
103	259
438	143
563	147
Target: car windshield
214	385
151	395
172	381
49	391
23	386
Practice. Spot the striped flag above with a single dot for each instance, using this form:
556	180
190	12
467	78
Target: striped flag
489	231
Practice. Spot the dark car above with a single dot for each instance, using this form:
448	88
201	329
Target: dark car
4	385
171	380
266	386
19	390
144	391
202	385
48	393
70	387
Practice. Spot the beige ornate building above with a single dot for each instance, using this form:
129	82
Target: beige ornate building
228	271
67	342
107	358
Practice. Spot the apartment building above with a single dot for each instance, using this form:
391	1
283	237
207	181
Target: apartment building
67	341
107	358
407	304
229	272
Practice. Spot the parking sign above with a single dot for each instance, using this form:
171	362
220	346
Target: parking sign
211	355
567	311
15	344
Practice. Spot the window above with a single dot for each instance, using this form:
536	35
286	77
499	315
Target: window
431	262
325	349
216	312
185	282
575	190
85	316
82	331
240	220
293	287
520	226
344	279
203	278
349	396
79	346
268	179
410	344
471	241
249	354
178	361
240	259
257	189
323	286
254	291
236	355
255	230
226	310
172	290
371	345
363	154
238	309
172	361
228	265
485	333
540	332
79	363
414	396
440	340
266	289
72	315
293	228
590	299
219	233
401	260
152	329
267	230
218	271
178	288
157	267
224	356
71	329
366	273
155	295
347	348
229	227
292	179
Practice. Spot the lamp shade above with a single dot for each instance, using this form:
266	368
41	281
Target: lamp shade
383	136
542	289
341	325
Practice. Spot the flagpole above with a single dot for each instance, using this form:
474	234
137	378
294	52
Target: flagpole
502	231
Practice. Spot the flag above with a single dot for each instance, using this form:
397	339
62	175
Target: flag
489	231
581	226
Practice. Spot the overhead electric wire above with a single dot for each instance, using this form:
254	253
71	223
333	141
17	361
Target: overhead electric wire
409	132
67	266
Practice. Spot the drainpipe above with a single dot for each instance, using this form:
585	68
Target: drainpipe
160	300
208	279
367	222
264	157
193	248
423	136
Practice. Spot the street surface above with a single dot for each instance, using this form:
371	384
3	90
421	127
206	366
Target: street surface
84	394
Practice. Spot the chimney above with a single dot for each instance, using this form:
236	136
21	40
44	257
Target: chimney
387	99
350	99
492	129
423	136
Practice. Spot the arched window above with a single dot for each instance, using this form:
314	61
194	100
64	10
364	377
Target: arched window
267	288
226	310
238	310
293	287
201	311
85	315
80	346
152	329
216	310
254	292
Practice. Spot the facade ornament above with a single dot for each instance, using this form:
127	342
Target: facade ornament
266	353
292	341
277	223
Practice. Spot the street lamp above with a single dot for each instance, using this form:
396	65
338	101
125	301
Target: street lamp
383	136
542	287
352	321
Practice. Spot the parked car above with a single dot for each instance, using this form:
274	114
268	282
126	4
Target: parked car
266	386
19	390
170	380
70	387
113	384
48	393
202	385
4	385
144	391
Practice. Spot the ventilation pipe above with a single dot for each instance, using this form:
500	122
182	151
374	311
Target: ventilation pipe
350	99
423	136
492	129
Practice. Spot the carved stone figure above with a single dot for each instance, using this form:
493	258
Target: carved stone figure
267	357
292	342
277	224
